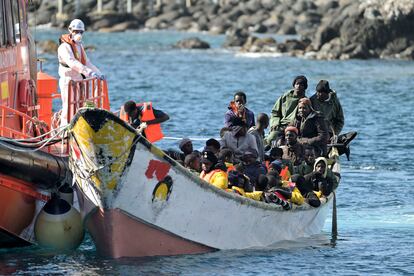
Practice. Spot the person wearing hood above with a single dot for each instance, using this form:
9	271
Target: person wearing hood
74	64
312	127
237	109
238	140
322	180
326	101
211	170
284	110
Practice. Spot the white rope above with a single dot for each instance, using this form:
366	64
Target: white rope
39	148
58	130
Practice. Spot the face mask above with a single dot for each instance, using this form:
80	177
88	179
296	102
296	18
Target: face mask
77	37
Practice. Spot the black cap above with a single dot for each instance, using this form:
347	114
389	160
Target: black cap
183	142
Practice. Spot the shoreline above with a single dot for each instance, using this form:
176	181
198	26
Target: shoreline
325	29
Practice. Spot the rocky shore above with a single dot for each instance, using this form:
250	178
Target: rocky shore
325	29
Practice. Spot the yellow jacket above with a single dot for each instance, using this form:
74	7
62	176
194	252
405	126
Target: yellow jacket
253	195
216	178
296	197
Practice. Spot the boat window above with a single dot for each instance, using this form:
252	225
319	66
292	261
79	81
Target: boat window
2	26
16	20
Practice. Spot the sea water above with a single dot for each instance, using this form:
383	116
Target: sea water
375	202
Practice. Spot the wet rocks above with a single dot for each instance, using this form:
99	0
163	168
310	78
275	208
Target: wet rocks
337	29
47	46
192	43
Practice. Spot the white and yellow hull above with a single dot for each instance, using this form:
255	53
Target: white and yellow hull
139	202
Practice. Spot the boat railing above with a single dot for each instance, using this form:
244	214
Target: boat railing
15	124
87	91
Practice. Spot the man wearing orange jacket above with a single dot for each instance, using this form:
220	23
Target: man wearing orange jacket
146	119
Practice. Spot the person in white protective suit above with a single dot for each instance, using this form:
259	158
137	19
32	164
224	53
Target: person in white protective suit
73	63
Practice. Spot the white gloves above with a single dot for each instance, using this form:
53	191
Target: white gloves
141	127
98	76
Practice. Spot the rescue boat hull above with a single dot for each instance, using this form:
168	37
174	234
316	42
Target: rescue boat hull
137	201
20	201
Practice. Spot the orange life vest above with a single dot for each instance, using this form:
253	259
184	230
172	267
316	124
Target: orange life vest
153	132
79	56
267	165
285	174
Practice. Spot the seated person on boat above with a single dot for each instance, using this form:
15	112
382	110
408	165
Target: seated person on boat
226	156
238	140
211	170
258	132
237	109
213	145
252	168
293	150
186	147
192	162
322	180
239	184
311	126
307	164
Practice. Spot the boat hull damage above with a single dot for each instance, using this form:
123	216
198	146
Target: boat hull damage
154	206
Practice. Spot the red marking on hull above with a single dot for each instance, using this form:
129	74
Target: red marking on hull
117	234
160	169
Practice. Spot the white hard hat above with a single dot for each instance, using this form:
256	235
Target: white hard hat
76	25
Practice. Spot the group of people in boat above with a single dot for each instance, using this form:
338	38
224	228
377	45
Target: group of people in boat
289	165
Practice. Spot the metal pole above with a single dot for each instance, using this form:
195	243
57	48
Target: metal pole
77	7
129	6
99	6
158	4
60	6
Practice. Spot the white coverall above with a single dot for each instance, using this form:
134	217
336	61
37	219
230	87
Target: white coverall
76	68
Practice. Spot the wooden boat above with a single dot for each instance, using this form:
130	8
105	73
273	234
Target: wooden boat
137	201
32	164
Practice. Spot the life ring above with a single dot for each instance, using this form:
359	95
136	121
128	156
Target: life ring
27	97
